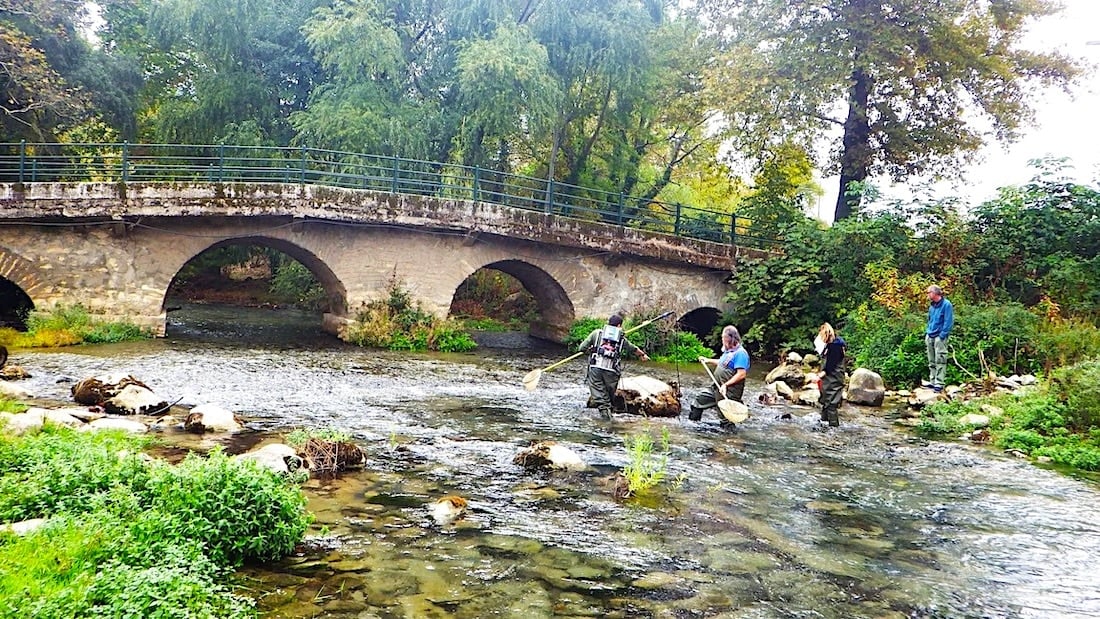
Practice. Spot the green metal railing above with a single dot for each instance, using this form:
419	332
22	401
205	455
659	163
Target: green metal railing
25	162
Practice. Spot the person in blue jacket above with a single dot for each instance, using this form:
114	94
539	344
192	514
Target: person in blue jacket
941	317
730	372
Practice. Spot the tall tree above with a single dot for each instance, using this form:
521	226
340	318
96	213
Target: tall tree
39	52
911	86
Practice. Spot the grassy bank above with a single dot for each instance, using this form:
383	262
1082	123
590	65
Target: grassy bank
69	325
130	537
1057	421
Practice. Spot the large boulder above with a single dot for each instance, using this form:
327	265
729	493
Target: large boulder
866	387
645	395
135	400
96	390
790	373
13	372
211	418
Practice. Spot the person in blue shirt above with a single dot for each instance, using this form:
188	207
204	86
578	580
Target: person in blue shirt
941	317
730	371
832	379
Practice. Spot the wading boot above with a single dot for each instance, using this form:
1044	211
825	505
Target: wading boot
695	414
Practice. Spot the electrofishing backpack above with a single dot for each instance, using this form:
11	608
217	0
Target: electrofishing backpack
608	348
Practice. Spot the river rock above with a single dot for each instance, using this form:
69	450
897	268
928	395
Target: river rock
648	396
992	411
784	390
98	389
808	396
57	416
14	391
447	509
24	527
13	372
548	454
211	418
135	399
114	423
789	373
923	396
866	387
794	358
974	419
276	457
21	423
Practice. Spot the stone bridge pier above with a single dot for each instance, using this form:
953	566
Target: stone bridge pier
117	251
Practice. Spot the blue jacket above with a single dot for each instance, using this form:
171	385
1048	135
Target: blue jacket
941	317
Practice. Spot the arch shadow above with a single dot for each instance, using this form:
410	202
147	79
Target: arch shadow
556	313
702	322
336	302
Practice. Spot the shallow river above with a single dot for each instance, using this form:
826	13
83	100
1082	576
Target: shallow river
776	519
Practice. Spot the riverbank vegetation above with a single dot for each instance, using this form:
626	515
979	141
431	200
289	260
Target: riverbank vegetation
661	339
1058	421
127	536
69	325
398	323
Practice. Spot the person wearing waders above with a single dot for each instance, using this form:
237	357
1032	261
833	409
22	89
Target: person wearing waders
730	371
606	346
832	348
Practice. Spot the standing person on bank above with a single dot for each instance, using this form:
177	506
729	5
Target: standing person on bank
941	317
833	348
606	346
730	371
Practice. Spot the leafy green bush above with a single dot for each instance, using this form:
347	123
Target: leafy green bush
647	467
128	538
398	323
1062	342
580	330
71	569
1078	386
239	510
49	472
684	347
942	419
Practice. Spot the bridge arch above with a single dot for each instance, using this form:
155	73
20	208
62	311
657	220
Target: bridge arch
556	312
335	293
701	321
19	280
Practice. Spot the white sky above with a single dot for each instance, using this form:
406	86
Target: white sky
1066	125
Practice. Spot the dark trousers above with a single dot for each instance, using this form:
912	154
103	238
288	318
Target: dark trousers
709	396
601	389
832	394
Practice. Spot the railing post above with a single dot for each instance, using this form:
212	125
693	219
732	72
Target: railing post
676	225
221	162
396	172
549	195
733	229
477	183
126	162
302	172
620	213
22	160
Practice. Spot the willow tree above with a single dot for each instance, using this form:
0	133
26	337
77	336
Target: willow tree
913	87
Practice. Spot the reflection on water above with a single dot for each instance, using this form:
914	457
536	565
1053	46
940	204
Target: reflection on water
778	519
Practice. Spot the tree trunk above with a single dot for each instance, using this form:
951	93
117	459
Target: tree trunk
855	158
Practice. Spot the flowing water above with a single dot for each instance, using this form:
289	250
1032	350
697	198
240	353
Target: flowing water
776	519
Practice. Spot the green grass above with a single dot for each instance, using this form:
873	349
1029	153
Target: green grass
131	538
648	464
69	325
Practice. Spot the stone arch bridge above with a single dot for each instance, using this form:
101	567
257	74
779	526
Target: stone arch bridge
115	248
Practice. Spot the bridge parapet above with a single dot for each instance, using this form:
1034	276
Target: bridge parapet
85	201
